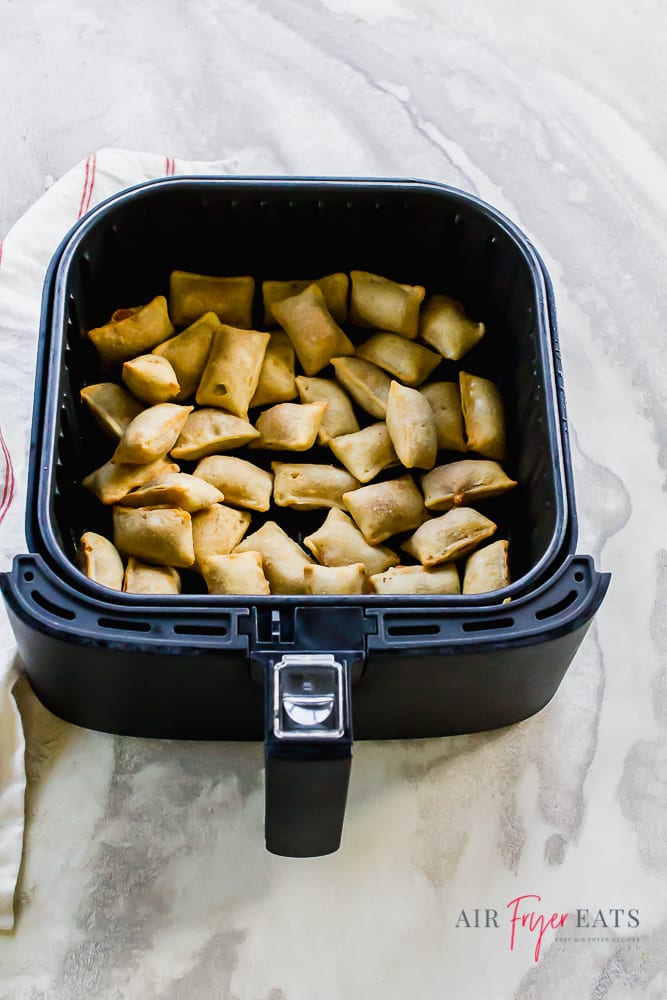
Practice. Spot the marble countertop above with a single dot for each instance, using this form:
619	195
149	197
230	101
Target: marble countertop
144	871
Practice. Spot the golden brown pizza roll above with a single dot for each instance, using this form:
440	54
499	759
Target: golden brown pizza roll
158	535
411	427
174	489
192	295
366	452
210	431
282	558
188	351
487	569
111	482
339	417
132	331
236	573
276	378
338	542
385	304
112	407
449	536
289	426
445	326
242	483
151	434
366	383
310	486
217	530
151	378
444	398
99	560
458	484
384	509
142	578
232	370
484	416
333	287
409	362
418	580
316	336
335	579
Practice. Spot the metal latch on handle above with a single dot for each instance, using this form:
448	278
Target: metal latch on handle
308	697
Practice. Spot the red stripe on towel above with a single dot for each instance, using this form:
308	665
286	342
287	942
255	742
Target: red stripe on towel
85	188
8	491
92	182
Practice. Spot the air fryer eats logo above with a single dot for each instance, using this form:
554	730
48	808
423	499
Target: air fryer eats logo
527	917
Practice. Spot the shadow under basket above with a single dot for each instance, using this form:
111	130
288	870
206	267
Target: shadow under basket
300	671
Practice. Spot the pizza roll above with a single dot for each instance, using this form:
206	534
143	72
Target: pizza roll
111	406
242	483
310	486
335	579
338	542
385	304
192	295
282	558
99	560
276	377
151	434
366	452
236	573
187	353
487	569
333	287
444	398
151	378
232	369
142	578
445	326
316	336
459	484
217	530
130	332
366	383
384	509
289	426
418	580
411	427
111	482
449	536
339	417
174	489
210	431
410	363
157	535
484	416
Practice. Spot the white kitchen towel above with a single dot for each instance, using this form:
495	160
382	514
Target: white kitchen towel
24	257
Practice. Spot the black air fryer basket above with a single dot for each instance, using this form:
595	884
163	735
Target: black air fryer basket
299	671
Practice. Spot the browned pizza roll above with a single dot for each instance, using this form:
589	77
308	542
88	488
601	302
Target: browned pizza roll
217	530
418	580
409	362
289	426
282	558
232	369
366	452
99	560
366	383
276	378
445	326
151	434
174	489
192	295
316	336
130	332
384	509
210	431
309	486
187	353
158	535
335	579
444	398
449	536
487	569
236	573
339	416
385	304
333	287
142	578
242	483
112	407
111	482
338	542
151	378
484	416
411	427
458	484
